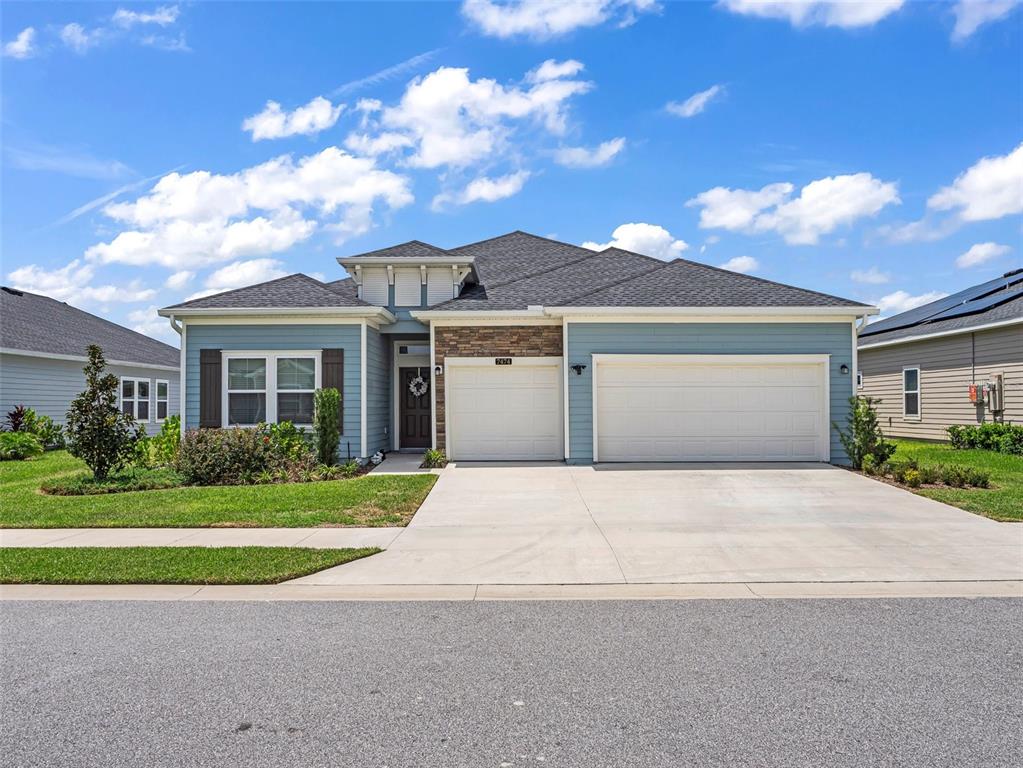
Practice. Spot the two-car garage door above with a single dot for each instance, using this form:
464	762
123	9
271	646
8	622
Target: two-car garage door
710	408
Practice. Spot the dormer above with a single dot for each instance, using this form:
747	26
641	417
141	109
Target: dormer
409	276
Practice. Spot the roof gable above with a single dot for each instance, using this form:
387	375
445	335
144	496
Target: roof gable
296	290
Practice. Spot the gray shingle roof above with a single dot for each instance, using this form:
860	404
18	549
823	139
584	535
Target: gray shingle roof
517	255
296	290
413	249
37	323
682	283
921	321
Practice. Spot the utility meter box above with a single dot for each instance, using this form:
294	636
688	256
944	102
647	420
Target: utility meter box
994	392
977	394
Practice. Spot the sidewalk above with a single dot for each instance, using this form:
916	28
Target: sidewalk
316	538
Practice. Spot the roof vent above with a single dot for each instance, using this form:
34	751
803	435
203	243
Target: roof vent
12	291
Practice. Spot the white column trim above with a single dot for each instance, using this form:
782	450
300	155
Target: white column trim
564	374
433	389
182	400
362	393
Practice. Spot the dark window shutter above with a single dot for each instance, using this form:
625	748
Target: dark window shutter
333	376
209	388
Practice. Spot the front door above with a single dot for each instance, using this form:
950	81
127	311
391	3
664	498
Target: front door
414	413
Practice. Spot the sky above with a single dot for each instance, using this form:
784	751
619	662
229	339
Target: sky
153	153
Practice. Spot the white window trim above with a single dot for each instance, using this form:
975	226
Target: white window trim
156	400
135	399
271	379
918	392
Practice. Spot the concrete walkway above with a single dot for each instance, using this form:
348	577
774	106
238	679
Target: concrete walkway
316	538
673	524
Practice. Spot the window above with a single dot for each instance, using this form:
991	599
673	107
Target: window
296	382
270	387
135	398
859	379
162	397
911	393
246	390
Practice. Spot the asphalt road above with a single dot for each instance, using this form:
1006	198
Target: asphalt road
703	683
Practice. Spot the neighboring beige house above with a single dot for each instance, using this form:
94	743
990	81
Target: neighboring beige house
957	360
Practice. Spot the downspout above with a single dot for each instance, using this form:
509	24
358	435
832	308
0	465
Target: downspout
179	328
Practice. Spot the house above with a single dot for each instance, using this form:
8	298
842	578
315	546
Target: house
524	348
957	360
43	350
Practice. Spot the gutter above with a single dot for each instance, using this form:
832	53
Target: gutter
175	312
942	334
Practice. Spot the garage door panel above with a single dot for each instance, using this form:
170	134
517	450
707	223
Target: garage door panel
505	413
668	411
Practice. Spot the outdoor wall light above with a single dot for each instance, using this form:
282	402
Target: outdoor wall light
578	368
844	369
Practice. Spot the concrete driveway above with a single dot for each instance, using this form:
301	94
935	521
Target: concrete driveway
672	523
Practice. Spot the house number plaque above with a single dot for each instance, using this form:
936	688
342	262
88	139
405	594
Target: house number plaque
502	361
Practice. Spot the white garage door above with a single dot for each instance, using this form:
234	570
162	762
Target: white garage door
506	412
711	408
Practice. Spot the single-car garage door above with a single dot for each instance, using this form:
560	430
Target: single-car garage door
711	408
504	409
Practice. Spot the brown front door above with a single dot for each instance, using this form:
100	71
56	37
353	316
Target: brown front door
414	414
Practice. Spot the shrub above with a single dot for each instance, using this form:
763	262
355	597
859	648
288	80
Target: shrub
930	475
899	468
16	418
869	465
434	458
912	478
15	446
863	436
954	476
163	447
98	432
351	468
145	480
992	436
327	424
977	478
233	456
51	435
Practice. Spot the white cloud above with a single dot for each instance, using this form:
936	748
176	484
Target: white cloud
741	264
381	144
648	239
973	14
847	14
989	189
581	157
70	283
696	103
872	276
274	123
147	322
900	301
241	273
194	219
79	39
179	279
388	73
981	253
23	46
484	189
543	19
552	69
821	207
452	120
164	16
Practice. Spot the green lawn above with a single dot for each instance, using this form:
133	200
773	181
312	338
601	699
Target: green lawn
167	565
363	501
1002	502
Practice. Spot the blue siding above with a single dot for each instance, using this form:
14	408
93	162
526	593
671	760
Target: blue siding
48	386
378	391
275	337
586	339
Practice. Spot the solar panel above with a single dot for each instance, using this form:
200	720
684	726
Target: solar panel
928	312
972	307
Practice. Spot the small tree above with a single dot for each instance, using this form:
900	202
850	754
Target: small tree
97	432
327	424
864	437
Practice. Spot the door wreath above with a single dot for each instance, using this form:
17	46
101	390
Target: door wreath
418	386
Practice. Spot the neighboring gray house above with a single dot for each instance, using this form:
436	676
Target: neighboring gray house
957	360
43	349
523	348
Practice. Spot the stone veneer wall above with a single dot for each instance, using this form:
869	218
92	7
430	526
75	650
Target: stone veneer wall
491	341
